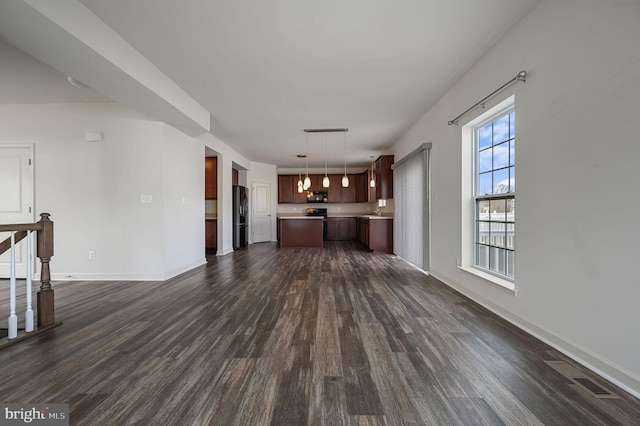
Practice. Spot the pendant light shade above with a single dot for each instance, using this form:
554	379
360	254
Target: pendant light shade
307	181
325	180
345	178
300	184
372	182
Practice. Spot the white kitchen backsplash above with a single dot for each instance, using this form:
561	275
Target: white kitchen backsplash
332	208
210	206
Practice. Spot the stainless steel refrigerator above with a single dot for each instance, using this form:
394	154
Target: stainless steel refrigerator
240	217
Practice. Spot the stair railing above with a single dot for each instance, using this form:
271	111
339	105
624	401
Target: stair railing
44	251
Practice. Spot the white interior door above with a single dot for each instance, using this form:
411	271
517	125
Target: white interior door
261	209
16	199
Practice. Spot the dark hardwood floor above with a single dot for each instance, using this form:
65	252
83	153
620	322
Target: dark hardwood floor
293	337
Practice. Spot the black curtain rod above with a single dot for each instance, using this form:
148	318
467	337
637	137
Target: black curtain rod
521	76
325	130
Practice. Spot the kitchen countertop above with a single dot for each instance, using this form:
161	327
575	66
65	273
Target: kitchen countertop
299	217
210	217
375	216
333	214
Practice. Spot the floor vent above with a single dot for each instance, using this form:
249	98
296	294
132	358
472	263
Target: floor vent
580	379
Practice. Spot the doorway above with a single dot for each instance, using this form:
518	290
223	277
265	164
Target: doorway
16	202
261	209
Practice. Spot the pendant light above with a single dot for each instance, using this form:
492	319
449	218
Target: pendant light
345	178
300	184
372	182
325	180
307	181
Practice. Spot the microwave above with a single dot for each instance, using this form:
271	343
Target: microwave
317	197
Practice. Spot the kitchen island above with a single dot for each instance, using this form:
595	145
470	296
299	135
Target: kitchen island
300	231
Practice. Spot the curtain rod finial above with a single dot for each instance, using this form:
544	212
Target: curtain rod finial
522	76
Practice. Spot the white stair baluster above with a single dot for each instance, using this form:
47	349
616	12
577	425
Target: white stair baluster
13	319
28	314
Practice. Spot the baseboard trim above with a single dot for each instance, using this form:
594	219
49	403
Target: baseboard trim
614	373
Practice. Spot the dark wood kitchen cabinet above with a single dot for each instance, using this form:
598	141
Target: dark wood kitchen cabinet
384	177
376	234
285	189
348	194
337	193
288	189
361	187
334	191
210	178
341	228
211	235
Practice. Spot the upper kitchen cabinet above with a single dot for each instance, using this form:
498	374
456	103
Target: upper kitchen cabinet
361	187
234	177
211	178
348	194
384	177
334	191
354	193
285	189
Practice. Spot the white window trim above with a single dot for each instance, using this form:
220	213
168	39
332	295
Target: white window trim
467	248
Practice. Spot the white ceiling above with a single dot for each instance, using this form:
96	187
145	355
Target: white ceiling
266	70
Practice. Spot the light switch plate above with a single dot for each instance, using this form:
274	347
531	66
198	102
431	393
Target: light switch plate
145	198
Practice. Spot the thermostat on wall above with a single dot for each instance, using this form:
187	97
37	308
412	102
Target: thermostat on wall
93	136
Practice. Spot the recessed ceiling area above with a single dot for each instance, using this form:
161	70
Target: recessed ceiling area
265	71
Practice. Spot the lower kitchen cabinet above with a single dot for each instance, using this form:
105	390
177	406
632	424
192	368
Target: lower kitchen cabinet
341	228
376	234
211	236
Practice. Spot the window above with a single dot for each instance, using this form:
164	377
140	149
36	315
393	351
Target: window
494	193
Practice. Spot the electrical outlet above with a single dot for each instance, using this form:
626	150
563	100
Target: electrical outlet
92	254
458	262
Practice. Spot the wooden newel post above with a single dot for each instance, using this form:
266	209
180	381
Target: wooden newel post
46	313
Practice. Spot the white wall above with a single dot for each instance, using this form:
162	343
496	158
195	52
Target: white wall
183	173
92	190
577	153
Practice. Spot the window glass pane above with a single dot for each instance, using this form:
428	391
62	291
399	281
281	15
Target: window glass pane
501	181
510	272
482	210
512	153
501	155
484	136
482	256
497	208
485	184
501	130
511	236
512	120
498	233
497	261
511	210
512	179
485	161
482	232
